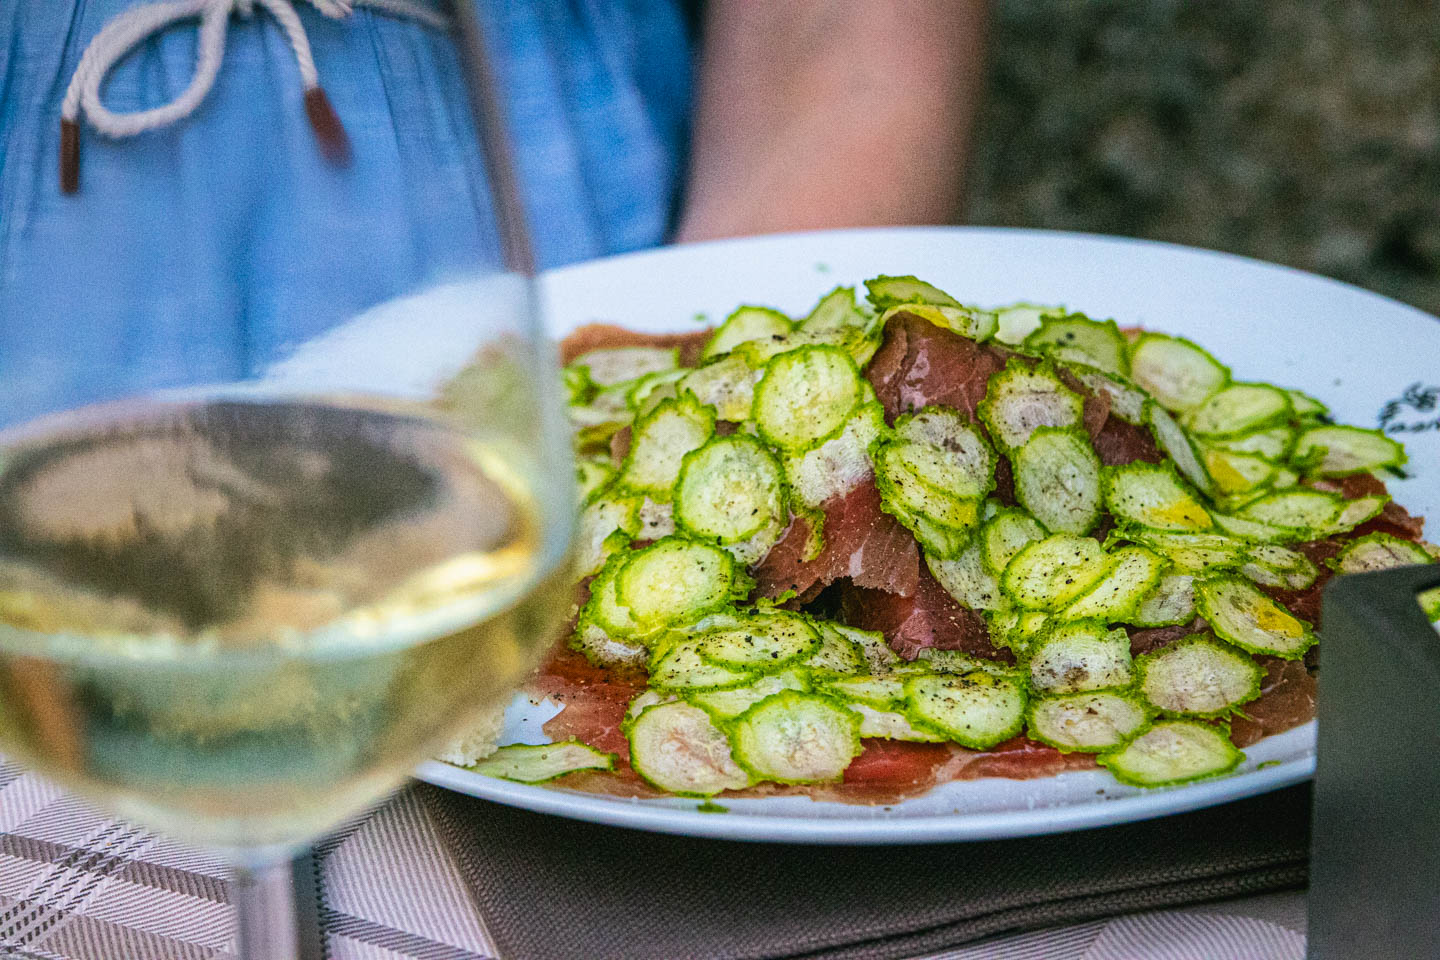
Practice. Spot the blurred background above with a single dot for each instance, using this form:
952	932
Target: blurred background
1306	133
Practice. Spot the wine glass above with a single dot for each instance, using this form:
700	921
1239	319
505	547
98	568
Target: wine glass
240	613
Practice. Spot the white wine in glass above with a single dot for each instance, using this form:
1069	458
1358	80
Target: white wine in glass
240	613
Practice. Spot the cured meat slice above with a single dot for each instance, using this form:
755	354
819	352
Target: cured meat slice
862	542
929	618
599	336
1119	442
1287	699
919	364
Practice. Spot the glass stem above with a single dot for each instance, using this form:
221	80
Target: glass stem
264	898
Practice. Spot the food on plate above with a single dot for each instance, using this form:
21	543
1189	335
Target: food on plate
903	540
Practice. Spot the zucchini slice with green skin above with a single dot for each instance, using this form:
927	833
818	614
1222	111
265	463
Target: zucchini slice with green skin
965	578
1048	574
678	665
1271	443
745	324
1192	553
727	385
729	490
1171	602
805	396
1237	473
878	656
836	312
936	468
976	710
1238	612
1020	398
761	642
880	692
1381	551
838	465
1355	512
1075	337
968	322
1127	400
1086	722
1057	479
1175	371
959	662
675	580
604	608
1255	531
1169	752
966	461
1338	451
1152	495
609	366
1302	512
1305	406
729	704
1271	565
659	445
892	725
1239	408
1077	656
607	524
592	474
676	747
1018	320
885	292
1197	677
837	654
792	737
537	763
603	650
1175	443
1004	535
1131	575
657	520
659	386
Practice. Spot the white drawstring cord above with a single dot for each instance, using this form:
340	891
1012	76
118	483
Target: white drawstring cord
131	28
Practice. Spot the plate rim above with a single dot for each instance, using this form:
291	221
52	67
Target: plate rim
663	817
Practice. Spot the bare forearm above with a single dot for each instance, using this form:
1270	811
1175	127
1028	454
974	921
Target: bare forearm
828	113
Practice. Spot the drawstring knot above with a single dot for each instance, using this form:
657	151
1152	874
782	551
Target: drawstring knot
133	27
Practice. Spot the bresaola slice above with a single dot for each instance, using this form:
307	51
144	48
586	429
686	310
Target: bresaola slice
930	618
919	364
862	543
603	336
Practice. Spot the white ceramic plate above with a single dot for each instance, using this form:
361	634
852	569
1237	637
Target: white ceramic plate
1354	350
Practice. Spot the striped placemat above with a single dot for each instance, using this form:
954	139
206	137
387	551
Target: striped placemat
76	885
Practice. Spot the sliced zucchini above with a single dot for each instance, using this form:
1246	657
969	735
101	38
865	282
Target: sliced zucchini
1057	478
1175	371
1079	655
1086	722
746	323
603	650
678	664
892	725
1176	444
761	642
1151	495
1075	337
805	396
606	524
1016	629
1237	473
657	520
591	475
1379	551
965	578
939	469
1271	565
729	490
1338	451
978	325
1306	407
837	654
1020	398
1355	512
536	763
1018	320
1301	511
878	655
1171	602
728	704
838	465
1271	443
646	392
792	737
674	580
660	443
976	710
835	313
1168	752
1198	677
604	608
727	385
1049	574
1131	575
1193	552
880	692
1239	408
886	292
1238	612
676	747
960	662
965	462
1004	535
1255	531
1127	400
609	366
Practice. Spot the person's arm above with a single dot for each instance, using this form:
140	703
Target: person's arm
831	113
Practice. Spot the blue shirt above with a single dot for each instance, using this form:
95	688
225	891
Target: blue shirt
205	250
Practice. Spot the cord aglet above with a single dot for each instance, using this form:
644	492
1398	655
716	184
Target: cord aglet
69	156
334	144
